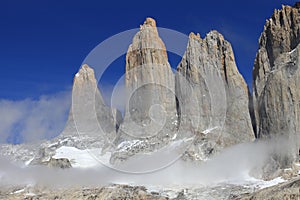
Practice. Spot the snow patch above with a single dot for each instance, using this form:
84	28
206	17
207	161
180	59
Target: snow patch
292	51
209	130
261	184
126	145
30	194
273	182
29	161
288	169
18	191
87	158
174	137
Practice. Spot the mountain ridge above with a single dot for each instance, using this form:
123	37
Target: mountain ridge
190	116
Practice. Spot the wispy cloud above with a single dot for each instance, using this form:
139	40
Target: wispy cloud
33	119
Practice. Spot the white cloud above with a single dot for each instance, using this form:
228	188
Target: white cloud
29	119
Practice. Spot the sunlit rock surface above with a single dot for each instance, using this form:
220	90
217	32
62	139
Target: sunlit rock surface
150	113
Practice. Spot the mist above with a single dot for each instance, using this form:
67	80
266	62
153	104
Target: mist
236	164
29	120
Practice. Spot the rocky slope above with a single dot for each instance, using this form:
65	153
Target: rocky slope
212	94
288	190
276	76
96	193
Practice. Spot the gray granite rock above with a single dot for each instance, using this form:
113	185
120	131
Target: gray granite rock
62	163
149	82
150	113
276	77
212	94
89	116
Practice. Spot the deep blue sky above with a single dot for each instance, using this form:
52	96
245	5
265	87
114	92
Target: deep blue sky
43	43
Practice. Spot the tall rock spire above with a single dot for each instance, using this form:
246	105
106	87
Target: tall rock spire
89	116
220	91
276	78
149	82
150	113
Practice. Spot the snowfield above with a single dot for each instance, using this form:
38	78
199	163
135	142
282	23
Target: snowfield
88	158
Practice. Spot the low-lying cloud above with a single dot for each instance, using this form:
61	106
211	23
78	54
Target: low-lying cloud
234	165
29	119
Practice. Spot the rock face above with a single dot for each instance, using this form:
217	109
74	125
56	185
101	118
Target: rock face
62	163
212	94
150	113
89	116
276	76
149	81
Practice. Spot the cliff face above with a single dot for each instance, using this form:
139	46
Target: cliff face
151	105
150	120
276	77
220	105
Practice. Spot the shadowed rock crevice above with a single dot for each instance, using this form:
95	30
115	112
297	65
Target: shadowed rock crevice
251	112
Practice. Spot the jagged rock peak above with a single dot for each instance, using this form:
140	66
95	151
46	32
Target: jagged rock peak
147	47
149	22
281	34
85	73
219	49
213	34
197	36
212	39
85	70
85	83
